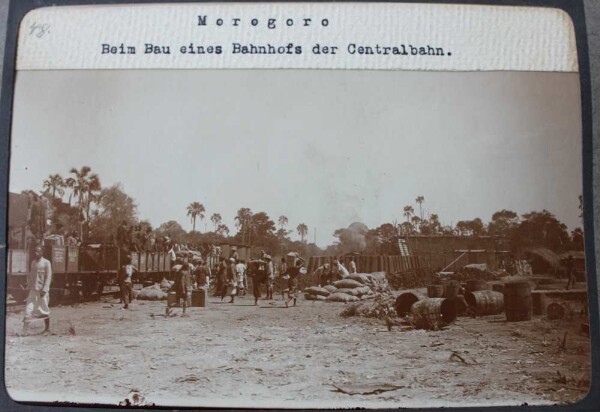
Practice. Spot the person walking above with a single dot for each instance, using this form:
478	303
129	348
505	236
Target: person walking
259	276
126	283
230	287
184	286
38	299
240	270
270	276
294	273
221	274
283	278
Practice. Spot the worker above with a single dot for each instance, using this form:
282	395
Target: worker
294	273
126	282
40	277
352	265
283	278
230	286
259	276
338	271
183	285
323	273
570	265
240	271
270	276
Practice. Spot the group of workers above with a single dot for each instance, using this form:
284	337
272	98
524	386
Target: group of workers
233	273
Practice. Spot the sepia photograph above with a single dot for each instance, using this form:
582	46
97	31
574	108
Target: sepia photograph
296	239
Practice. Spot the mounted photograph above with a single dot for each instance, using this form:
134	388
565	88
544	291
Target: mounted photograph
296	238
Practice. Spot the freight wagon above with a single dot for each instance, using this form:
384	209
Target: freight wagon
84	270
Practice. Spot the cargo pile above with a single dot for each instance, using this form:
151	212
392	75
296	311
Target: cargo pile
414	278
358	286
153	292
380	307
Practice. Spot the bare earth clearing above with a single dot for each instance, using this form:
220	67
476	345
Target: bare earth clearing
242	355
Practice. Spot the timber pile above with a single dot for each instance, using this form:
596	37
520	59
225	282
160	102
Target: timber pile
409	279
474	272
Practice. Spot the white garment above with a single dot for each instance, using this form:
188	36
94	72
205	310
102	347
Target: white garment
352	267
36	304
343	270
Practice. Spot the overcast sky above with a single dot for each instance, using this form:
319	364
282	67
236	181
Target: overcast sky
325	148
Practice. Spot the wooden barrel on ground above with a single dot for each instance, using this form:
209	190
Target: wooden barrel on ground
538	303
405	300
435	291
460	304
517	301
475	285
451	289
433	313
485	302
555	311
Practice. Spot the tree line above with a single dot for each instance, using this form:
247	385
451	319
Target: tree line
95	213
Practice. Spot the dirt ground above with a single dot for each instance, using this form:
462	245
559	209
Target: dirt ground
305	356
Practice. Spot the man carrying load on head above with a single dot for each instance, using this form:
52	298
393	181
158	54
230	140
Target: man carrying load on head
294	273
38	282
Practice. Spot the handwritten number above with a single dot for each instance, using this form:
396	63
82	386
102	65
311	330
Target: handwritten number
39	30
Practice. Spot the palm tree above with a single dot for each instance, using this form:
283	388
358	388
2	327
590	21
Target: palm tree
222	230
283	221
195	210
216	220
243	222
434	220
420	200
302	230
408	212
55	183
85	187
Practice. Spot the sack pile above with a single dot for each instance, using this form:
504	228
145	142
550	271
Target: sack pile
166	284
345	290
153	292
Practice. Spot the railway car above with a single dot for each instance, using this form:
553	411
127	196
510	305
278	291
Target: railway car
81	270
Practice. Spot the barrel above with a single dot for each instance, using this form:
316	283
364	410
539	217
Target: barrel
517	301
555	311
538	303
435	291
460	304
498	287
172	299
405	300
451	289
475	285
485	302
199	297
433	313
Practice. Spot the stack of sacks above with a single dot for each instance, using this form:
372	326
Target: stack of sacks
376	281
316	293
166	284
345	290
152	293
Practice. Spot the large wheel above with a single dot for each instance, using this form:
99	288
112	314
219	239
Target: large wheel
88	287
56	296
